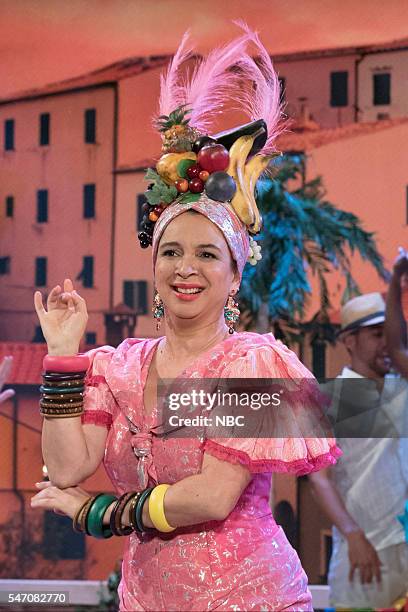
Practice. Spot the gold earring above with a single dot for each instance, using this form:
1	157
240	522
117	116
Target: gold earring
231	313
158	310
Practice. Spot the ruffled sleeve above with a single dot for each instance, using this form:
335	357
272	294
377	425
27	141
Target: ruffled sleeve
303	441
99	403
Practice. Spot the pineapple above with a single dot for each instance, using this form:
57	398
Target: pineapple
177	135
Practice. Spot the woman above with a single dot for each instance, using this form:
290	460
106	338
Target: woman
210	542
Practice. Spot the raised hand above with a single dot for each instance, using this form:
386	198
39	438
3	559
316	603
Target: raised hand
5	369
63	323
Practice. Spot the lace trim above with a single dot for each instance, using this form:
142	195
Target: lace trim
97	417
297	466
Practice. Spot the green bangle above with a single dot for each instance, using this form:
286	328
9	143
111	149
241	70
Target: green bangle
61	390
139	510
94	517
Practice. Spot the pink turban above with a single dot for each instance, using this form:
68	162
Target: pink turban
222	215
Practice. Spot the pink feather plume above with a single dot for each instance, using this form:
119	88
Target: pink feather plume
172	89
212	83
261	100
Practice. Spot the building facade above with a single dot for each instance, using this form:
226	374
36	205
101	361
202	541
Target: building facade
345	85
72	164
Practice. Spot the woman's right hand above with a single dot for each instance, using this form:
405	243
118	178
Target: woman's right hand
63	323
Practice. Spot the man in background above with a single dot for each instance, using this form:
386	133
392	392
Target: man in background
366	490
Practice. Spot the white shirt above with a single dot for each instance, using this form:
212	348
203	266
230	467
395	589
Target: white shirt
372	474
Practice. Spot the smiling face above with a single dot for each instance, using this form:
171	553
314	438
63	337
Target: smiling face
368	350
194	271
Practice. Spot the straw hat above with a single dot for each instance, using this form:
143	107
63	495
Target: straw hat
362	311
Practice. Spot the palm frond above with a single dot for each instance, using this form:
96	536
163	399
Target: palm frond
303	235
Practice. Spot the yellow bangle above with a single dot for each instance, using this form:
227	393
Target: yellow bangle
156	509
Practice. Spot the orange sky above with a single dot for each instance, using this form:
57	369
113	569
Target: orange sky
48	40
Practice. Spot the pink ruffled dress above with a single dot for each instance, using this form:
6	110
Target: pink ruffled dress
242	563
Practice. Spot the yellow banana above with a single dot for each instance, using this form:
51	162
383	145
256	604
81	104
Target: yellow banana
241	200
253	170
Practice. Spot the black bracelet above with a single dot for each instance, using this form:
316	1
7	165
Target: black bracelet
139	510
65	376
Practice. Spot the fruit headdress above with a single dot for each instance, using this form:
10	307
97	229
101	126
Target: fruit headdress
224	167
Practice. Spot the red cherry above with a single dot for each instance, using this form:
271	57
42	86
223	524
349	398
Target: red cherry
204	175
158	210
213	158
181	185
193	171
196	185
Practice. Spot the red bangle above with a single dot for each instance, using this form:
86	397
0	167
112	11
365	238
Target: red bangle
74	363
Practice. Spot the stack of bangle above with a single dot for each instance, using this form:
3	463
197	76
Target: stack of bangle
89	518
63	386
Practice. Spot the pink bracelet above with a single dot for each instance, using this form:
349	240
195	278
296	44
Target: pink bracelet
74	363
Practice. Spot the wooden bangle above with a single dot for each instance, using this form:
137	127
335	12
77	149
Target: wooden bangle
62	416
69	398
76	520
156	508
116	517
58	377
46	404
61	411
64	384
83	515
60	405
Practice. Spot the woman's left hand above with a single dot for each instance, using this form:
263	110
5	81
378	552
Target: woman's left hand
62	501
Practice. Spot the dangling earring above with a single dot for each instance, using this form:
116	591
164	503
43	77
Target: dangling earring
158	310
231	313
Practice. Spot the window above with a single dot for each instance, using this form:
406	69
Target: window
38	335
9	206
338	89
282	88
382	88
90	125
9	135
319	358
89	201
141	199
4	265
59	541
87	274
44	129
42	206
40	271
90	338
135	295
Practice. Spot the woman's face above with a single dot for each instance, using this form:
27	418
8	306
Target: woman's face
194	270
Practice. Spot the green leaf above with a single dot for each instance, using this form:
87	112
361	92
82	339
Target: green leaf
186	198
